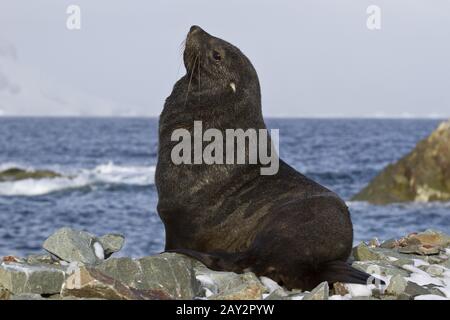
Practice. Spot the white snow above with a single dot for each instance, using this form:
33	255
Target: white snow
359	290
421	277
98	250
392	259
73	267
205	280
445	290
430	297
339	297
208	293
420	262
424	279
270	284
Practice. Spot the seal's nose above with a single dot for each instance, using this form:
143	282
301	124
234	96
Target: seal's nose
194	29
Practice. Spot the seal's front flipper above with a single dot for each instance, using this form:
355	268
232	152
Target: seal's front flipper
218	261
341	271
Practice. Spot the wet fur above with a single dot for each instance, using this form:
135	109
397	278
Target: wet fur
230	217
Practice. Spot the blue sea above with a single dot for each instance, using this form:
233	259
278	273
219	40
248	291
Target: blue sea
109	164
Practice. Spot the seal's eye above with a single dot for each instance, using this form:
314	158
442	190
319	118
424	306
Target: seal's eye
216	55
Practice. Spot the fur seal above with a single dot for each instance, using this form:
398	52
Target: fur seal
229	216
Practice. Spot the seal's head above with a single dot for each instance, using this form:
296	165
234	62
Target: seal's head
213	64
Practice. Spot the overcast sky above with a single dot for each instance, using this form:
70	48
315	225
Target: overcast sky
313	57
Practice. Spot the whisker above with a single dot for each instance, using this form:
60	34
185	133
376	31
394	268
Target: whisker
199	74
190	80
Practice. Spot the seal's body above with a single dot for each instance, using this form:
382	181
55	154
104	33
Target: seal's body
229	216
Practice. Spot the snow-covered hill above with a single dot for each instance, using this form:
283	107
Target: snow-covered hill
26	90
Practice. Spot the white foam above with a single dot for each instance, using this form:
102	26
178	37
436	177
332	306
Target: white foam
103	174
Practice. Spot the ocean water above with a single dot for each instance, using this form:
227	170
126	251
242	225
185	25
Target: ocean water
109	164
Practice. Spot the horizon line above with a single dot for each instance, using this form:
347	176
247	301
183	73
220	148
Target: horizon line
372	117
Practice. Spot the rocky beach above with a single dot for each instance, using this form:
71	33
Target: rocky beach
79	265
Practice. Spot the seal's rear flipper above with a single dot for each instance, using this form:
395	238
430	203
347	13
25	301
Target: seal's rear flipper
341	271
218	261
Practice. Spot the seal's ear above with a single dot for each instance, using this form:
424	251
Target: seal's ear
233	86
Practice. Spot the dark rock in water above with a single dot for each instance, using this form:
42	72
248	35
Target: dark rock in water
423	175
15	174
88	282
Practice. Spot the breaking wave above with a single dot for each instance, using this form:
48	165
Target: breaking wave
104	174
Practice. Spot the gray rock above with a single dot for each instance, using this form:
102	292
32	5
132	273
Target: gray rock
366	298
420	249
413	289
362	252
433	237
278	294
435	270
72	245
41	258
382	268
397	285
170	272
229	285
4	293
88	282
27	296
441	259
405	296
385	297
321	292
219	283
339	289
112	243
40	279
389	244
